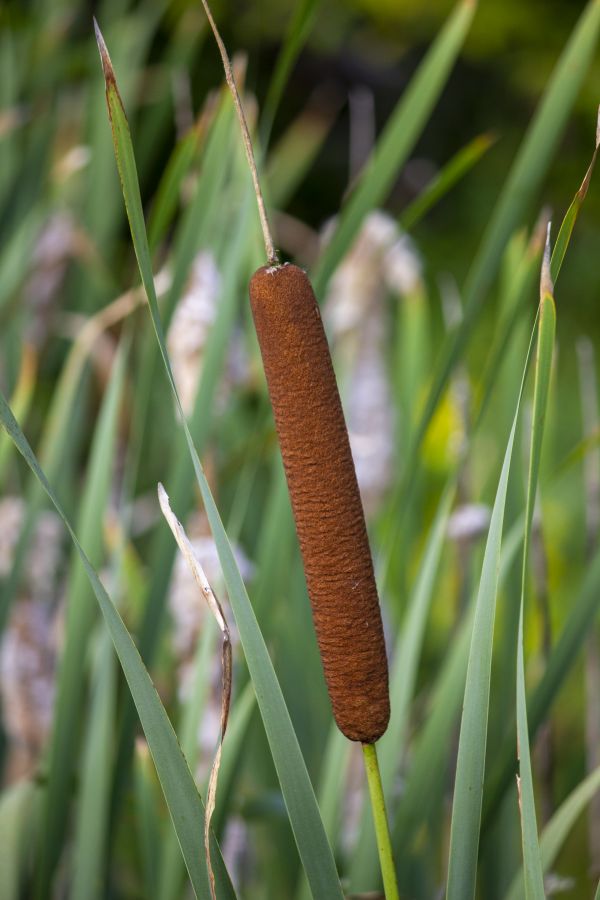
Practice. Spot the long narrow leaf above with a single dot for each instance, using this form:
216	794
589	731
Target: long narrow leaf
562	659
407	653
330	792
518	192
296	37
559	827
468	787
398	139
80	616
298	793
568	223
183	800
455	169
17	803
94	795
532	865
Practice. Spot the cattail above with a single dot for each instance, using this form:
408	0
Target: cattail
321	478
325	498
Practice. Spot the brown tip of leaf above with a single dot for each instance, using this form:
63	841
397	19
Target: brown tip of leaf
107	67
546	285
540	232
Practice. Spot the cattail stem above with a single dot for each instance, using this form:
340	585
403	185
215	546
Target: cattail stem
382	831
268	239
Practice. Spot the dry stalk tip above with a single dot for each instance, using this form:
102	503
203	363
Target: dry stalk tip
546	284
247	141
107	66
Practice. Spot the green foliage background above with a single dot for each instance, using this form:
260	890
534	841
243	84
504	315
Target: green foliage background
85	815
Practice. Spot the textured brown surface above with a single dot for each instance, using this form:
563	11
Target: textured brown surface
325	499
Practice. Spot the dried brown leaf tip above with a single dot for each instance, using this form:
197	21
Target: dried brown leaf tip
546	283
107	66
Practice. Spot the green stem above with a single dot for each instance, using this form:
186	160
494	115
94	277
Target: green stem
382	831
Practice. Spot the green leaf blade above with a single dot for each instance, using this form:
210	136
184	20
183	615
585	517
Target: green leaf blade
297	790
183	800
532	864
468	786
397	140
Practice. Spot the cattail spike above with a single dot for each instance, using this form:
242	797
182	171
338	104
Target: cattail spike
325	499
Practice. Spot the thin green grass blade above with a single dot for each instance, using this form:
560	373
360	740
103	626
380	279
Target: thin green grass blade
17	804
15	257
398	139
183	800
523	275
132	34
20	401
335	764
427	774
406	656
296	37
412	352
169	186
407	651
80	616
298	794
94	792
568	223
562	659
468	787
52	451
578	453
426	777
182	45
330	792
296	150
179	467
192	233
517	195
559	827
450	174
148	817
532	864
275	544
197	223
171	874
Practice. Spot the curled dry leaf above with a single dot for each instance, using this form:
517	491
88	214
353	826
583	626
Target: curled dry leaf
215	607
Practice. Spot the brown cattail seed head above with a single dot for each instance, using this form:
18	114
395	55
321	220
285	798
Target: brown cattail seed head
325	499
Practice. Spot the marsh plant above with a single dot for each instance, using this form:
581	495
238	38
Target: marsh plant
344	425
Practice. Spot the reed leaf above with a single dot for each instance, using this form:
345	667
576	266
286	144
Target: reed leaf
298	794
183	800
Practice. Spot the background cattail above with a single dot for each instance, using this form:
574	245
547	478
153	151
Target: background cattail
381	269
325	498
